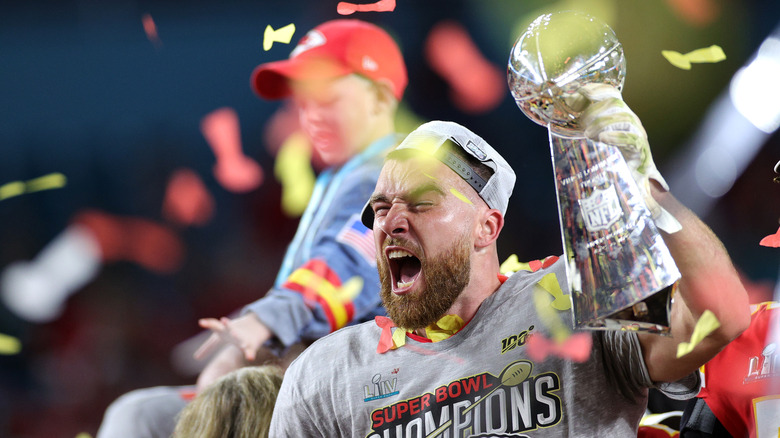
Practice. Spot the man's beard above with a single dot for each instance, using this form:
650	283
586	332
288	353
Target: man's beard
445	278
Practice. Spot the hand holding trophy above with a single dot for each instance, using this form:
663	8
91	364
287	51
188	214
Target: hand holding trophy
566	72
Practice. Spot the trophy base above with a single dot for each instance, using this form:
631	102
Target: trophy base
650	315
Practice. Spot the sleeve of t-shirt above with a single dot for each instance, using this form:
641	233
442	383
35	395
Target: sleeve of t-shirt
625	364
338	284
292	417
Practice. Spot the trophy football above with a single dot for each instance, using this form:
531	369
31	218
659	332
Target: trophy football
619	269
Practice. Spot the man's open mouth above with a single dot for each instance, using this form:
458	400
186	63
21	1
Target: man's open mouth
405	269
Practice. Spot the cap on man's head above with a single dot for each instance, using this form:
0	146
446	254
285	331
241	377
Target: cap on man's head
430	137
331	50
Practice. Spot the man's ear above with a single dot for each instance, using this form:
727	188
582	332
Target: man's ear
490	225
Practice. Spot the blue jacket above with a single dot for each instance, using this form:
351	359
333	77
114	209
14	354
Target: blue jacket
328	277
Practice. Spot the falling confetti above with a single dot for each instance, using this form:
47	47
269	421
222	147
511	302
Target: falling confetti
51	181
350	289
548	314
187	201
561	301
460	196
234	170
47	182
147	243
151	30
576	347
386	338
708	54
477	85
772	240
293	170
706	324
12	189
345	8
696	12
281	35
9	345
510	265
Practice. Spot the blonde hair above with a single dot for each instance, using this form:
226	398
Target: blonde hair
238	405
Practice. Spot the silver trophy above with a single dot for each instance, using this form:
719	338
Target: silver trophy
619	268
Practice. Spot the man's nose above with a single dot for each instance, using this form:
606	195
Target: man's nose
396	221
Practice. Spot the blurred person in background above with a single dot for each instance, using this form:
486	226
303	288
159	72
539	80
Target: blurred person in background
741	392
237	405
346	78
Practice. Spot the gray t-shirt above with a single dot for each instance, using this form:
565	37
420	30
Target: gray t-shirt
478	383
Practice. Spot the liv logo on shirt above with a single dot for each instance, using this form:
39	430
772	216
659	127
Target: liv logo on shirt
380	388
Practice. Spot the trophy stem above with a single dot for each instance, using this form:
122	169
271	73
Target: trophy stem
619	269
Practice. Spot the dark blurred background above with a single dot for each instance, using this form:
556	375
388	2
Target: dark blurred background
87	93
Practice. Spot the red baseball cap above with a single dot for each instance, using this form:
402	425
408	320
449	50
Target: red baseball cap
333	49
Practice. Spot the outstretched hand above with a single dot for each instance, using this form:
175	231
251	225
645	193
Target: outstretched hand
245	332
606	118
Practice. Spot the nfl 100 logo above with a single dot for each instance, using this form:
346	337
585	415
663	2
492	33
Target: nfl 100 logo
601	209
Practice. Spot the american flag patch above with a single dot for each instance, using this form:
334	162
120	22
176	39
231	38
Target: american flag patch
356	235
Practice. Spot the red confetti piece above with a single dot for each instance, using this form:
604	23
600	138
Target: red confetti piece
696	12
772	240
187	201
549	261
477	85
576	347
188	394
142	241
345	8
386	339
234	170
151	29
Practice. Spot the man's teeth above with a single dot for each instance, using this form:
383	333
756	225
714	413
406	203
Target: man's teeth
401	284
397	254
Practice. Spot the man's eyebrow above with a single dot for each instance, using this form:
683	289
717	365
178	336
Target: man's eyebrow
415	193
425	188
378	197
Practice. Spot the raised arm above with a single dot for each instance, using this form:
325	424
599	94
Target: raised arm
709	282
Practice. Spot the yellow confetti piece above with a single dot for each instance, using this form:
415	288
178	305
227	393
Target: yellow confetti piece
431	177
9	345
83	435
709	54
445	327
281	35
550	283
548	316
12	189
461	196
706	324
399	337
350	289
51	181
54	180
426	146
510	265
293	170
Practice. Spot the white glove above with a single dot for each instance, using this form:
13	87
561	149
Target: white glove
606	118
